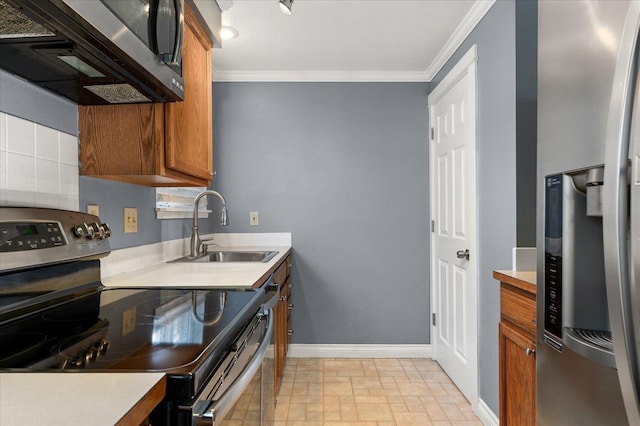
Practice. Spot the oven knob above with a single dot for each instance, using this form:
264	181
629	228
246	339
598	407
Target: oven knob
78	362
105	229
82	230
101	346
94	231
97	230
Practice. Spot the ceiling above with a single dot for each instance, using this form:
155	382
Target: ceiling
343	40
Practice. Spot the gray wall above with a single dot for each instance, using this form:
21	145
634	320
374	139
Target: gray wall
495	36
113	197
343	166
22	99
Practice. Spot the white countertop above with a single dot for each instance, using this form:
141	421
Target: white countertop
200	274
69	399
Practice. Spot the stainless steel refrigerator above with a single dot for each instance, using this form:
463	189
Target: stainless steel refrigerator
588	217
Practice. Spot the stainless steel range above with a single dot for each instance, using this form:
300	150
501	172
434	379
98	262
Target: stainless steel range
56	315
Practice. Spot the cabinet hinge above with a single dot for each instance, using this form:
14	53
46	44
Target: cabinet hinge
433	133
433	319
433	226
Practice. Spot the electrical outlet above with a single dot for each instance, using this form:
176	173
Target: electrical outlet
130	219
93	209
128	321
253	219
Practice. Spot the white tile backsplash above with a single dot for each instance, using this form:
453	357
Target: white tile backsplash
38	165
3	172
47	176
69	202
20	136
44	199
46	143
3	132
21	172
69	180
68	149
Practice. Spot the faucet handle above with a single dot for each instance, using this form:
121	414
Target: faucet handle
205	243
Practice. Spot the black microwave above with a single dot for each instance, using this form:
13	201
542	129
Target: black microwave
96	52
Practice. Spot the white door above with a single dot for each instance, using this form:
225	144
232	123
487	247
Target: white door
452	154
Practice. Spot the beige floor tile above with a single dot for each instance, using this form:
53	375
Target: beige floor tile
348	412
369	392
338	389
374	412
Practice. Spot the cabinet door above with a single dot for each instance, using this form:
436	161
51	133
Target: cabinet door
517	377
188	131
121	142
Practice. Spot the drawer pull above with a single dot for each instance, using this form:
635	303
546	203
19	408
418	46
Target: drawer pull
529	351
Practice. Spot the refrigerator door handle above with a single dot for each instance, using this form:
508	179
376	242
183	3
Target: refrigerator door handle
620	282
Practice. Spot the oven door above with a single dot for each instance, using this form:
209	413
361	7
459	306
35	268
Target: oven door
239	391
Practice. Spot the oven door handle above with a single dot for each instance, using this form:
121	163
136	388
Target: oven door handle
221	407
271	287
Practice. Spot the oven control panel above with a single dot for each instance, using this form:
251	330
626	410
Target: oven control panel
16	236
31	236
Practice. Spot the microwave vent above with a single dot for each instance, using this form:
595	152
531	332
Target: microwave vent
15	24
118	93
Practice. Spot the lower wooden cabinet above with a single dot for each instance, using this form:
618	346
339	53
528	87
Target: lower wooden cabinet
282	316
517	351
517	377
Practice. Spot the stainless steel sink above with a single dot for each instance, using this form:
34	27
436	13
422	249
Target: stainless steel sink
231	256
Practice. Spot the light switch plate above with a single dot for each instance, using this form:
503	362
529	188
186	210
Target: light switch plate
93	209
130	219
254	219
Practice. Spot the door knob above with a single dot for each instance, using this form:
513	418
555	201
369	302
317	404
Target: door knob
463	254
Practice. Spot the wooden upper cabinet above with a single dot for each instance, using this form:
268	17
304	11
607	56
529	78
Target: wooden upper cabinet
156	144
188	129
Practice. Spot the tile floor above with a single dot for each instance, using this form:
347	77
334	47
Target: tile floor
376	392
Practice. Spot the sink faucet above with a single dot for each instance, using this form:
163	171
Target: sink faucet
195	237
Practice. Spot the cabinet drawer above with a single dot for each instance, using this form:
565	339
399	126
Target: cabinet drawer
518	308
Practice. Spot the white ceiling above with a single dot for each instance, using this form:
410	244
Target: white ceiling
343	40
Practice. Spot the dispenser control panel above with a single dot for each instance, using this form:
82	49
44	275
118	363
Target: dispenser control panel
553	262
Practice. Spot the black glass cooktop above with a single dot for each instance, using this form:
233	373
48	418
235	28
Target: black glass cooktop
170	330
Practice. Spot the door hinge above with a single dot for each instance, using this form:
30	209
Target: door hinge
433	134
433	319
433	226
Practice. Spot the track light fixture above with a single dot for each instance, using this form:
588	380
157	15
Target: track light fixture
285	6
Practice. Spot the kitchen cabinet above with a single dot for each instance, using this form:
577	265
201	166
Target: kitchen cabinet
282	316
154	144
517	345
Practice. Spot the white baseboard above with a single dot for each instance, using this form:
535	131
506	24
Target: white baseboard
360	351
486	415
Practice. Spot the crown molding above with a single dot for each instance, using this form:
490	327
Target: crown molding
472	18
319	76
